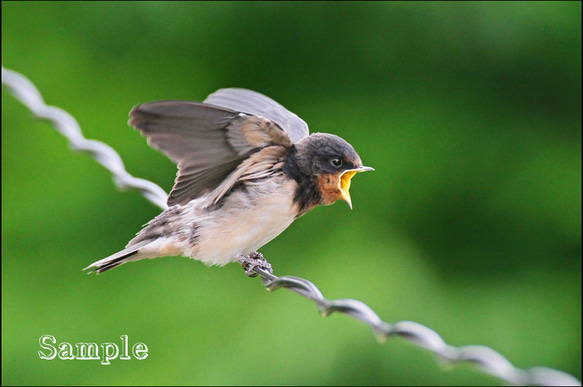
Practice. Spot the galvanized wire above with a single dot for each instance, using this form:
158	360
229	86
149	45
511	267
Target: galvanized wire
25	91
485	358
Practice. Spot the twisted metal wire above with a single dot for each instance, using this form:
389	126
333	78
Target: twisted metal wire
25	91
485	358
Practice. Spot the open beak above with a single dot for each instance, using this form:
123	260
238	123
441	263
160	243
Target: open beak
345	182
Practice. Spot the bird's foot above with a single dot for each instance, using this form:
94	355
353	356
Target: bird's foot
254	260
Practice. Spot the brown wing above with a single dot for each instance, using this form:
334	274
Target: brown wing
257	104
207	142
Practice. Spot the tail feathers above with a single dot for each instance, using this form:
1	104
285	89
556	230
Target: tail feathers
129	254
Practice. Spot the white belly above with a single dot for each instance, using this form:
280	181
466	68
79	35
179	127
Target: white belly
225	234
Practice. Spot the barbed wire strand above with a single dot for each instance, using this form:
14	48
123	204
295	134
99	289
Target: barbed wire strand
486	359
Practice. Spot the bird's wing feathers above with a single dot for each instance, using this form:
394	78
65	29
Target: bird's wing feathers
252	102
208	142
259	165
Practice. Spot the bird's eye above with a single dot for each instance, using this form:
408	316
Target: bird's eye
336	162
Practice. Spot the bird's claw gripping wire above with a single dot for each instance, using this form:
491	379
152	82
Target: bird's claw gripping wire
252	261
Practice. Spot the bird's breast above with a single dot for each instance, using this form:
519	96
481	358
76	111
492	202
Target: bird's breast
250	217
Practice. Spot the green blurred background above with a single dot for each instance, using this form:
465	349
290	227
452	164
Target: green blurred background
469	112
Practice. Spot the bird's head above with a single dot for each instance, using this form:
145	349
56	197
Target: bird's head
331	162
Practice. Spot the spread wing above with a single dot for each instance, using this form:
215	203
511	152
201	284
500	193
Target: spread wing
252	102
207	142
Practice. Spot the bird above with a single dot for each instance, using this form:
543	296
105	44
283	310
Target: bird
247	168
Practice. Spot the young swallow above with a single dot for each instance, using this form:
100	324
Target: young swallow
247	168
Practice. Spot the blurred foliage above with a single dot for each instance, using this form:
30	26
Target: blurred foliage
470	113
